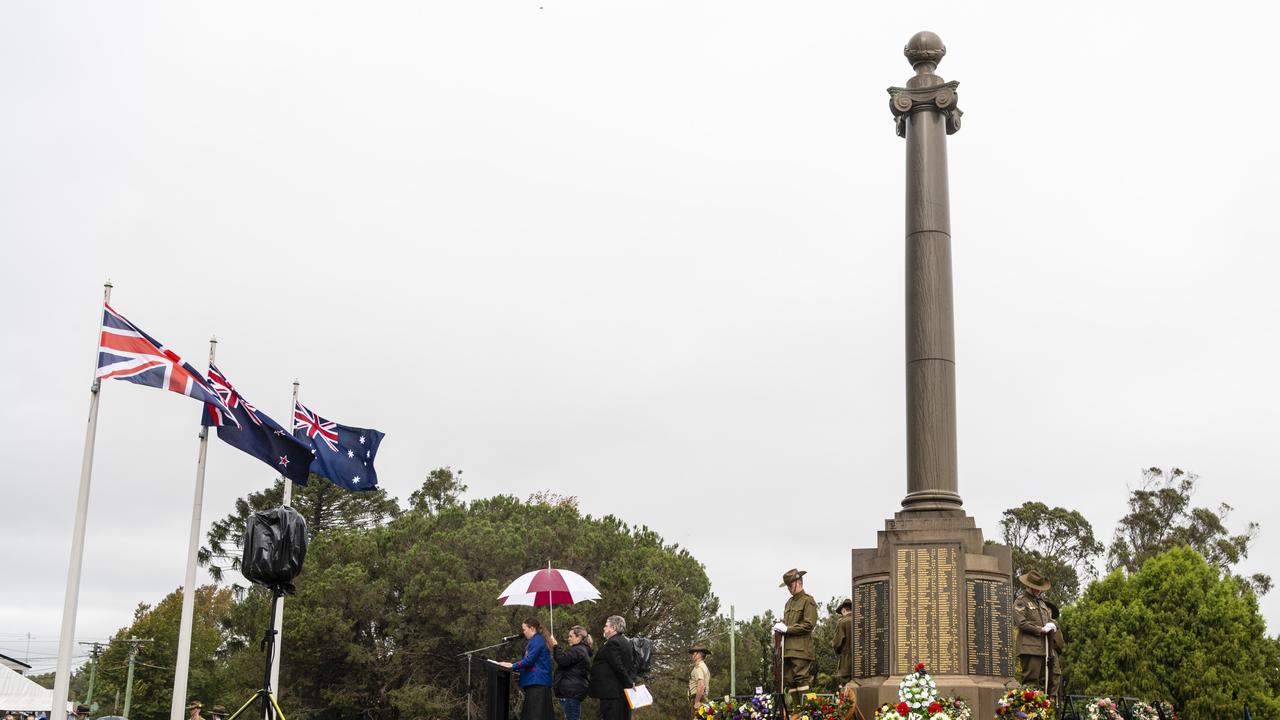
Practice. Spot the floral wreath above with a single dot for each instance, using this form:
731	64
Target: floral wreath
1143	711
1025	703
917	699
1102	709
957	708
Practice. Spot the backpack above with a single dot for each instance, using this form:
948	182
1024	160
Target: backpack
642	654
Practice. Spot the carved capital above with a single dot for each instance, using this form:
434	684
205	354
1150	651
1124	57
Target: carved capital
940	98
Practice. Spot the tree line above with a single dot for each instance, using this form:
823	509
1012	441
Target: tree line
391	596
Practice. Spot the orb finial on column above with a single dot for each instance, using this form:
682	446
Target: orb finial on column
924	47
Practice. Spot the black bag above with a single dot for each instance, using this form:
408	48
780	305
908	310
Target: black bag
642	652
275	545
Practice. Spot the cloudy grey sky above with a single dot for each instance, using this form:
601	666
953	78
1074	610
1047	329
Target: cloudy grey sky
645	253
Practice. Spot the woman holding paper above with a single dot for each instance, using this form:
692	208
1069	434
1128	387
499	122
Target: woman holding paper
535	672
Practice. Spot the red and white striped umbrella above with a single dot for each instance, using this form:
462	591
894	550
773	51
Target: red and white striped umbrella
549	586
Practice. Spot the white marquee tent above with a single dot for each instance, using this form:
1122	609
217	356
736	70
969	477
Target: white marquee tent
18	694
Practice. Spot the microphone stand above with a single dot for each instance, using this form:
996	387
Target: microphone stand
468	655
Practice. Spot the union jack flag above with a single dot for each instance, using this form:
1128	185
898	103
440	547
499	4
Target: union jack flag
127	353
313	426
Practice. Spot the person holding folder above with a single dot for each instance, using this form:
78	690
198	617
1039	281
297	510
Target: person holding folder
611	671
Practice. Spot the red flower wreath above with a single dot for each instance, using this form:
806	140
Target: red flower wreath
903	709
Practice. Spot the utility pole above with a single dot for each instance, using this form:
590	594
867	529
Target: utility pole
93	669
128	683
733	654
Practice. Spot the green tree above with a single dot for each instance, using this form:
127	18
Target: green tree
381	614
154	665
1174	630
442	489
325	507
1161	517
1057	542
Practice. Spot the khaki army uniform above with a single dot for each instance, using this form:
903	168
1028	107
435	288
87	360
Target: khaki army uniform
842	643
700	675
801	617
1030	614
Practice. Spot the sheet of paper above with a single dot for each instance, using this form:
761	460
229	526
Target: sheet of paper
638	696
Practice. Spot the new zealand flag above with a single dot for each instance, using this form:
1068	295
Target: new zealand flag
344	455
258	435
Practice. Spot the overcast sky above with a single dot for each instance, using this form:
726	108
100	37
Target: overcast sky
648	254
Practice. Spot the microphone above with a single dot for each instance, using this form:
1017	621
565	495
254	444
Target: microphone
509	638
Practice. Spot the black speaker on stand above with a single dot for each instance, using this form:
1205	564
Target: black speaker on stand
275	546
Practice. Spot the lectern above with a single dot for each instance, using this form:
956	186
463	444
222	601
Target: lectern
497	691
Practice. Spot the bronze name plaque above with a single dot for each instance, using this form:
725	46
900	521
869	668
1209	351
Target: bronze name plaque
926	602
990	644
871	629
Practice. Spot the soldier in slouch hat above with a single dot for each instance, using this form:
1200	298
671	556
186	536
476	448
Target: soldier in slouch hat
842	643
799	618
699	677
1038	635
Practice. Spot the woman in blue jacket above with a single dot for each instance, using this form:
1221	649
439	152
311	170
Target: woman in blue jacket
535	672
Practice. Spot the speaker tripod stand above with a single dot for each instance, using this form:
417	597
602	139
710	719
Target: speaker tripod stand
270	707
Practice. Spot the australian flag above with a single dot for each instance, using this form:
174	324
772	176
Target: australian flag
257	434
343	455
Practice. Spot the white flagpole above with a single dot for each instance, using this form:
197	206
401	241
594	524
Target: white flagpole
288	497
66	641
178	706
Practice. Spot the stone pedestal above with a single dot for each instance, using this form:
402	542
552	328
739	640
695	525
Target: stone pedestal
931	591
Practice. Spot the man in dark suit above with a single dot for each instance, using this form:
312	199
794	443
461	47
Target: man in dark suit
611	671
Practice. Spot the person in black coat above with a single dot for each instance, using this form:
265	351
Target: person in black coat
611	671
573	671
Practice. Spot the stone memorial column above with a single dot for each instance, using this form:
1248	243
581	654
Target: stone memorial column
931	590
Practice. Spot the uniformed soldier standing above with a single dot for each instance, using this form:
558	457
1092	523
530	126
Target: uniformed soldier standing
799	618
1038	634
699	678
842	643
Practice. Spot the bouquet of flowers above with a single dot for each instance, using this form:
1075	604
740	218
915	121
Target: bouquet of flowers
886	712
1024	704
1102	709
1167	708
1143	711
813	707
957	708
758	707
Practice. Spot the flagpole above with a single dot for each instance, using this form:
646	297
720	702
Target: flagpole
178	706
66	641
279	628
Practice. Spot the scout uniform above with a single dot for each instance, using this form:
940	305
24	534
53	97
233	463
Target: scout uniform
842	643
699	675
800	616
1030	614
